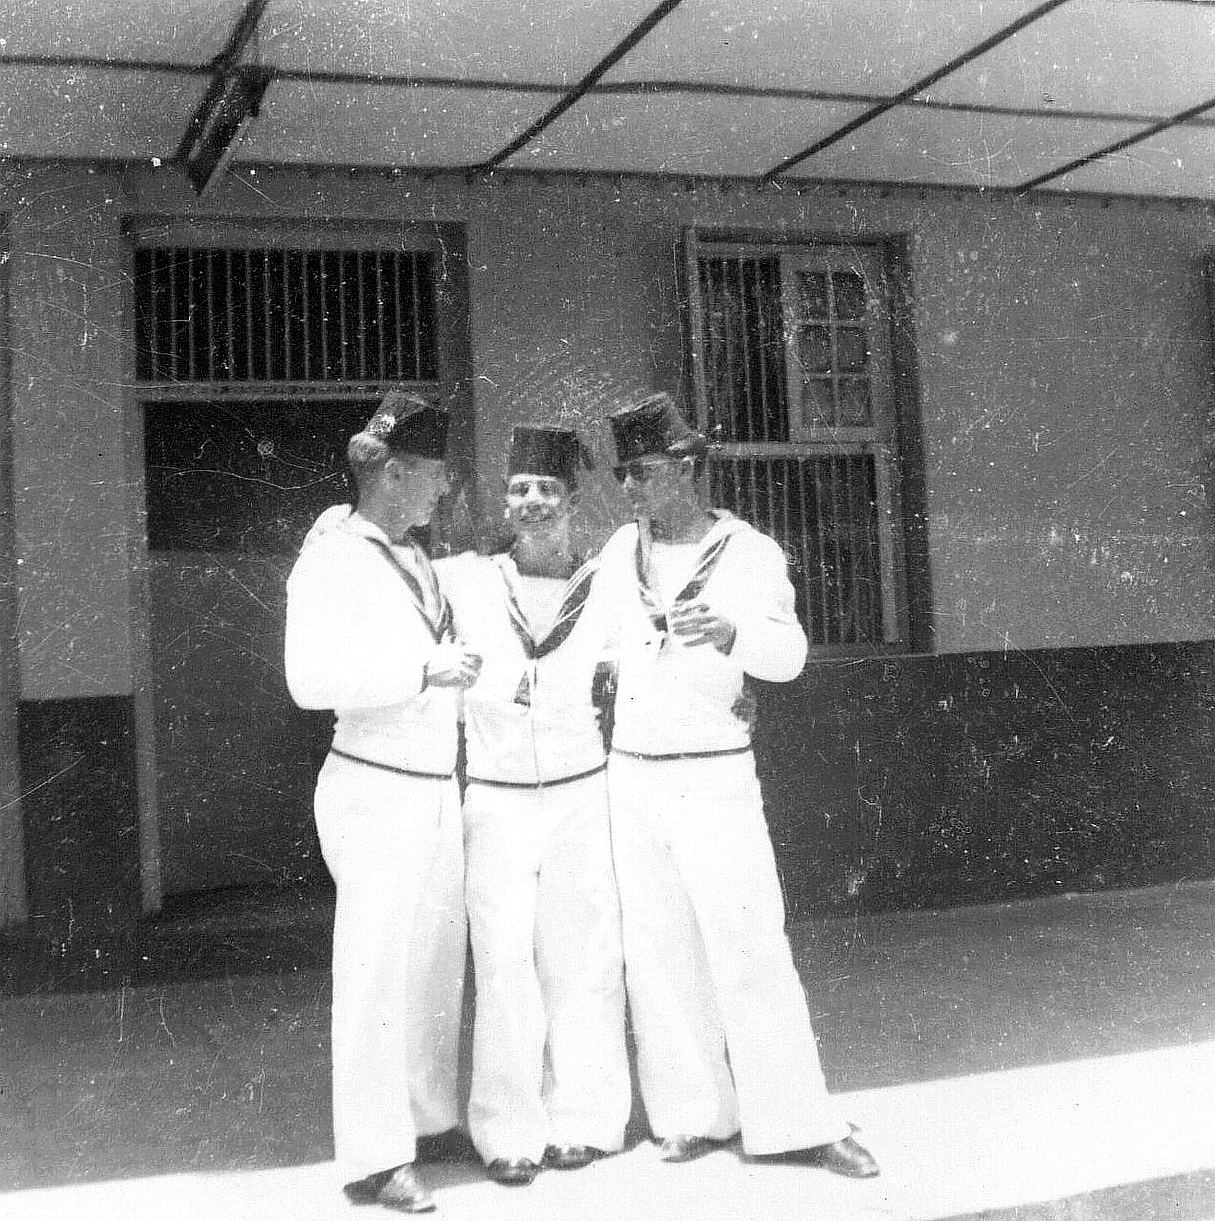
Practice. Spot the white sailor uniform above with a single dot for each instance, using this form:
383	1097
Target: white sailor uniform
549	1059
707	962
363	617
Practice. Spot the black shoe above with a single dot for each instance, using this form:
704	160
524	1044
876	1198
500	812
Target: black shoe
397	1189
847	1157
571	1157
512	1171
686	1148
454	1145
405	1194
367	1191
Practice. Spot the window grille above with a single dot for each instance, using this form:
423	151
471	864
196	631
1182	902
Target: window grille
744	349
252	315
793	381
823	512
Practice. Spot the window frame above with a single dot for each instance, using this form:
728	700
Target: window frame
883	439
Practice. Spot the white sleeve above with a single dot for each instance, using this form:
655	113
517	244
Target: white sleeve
463	579
615	582
353	639
770	644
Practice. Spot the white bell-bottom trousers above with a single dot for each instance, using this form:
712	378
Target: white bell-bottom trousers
549	1059
723	1032
394	846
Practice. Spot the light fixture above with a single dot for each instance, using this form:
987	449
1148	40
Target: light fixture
232	100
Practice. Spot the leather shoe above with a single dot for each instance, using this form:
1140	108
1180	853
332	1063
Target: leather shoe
366	1191
686	1148
571	1157
512	1171
405	1194
397	1189
847	1157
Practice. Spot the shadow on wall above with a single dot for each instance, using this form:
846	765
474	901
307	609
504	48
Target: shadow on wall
901	782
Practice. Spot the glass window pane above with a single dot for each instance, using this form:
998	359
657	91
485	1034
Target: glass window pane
852	348
854	401
849	294
814	350
814	294
818	403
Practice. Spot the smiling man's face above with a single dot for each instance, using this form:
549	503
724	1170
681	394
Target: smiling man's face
537	504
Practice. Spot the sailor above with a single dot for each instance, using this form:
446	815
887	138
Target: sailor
703	600
550	1081
369	635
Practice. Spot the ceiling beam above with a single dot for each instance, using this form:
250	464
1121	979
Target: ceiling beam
92	62
608	88
617	53
1118	145
693	88
925	82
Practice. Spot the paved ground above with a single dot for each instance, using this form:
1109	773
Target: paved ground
1045	1060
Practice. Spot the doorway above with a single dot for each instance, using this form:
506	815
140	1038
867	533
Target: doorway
231	491
257	355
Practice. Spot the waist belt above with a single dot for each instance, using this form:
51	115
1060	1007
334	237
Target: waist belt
685	754
387	767
537	784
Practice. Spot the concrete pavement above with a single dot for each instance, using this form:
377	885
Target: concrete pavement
1050	1059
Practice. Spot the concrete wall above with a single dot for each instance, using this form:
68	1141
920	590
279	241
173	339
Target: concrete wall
70	489
12	830
1065	365
1065	369
1065	381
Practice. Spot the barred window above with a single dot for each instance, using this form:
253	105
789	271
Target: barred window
265	315
793	385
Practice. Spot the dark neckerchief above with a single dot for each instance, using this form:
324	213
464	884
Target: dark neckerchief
714	543
441	627
573	602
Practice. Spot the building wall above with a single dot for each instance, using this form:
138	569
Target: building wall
68	454
12	830
1065	367
1065	371
923	781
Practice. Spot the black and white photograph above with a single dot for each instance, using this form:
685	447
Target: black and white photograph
607	610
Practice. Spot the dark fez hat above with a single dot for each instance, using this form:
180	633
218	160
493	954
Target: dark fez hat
654	428
556	452
408	424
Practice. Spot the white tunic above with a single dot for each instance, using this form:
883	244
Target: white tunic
555	734
673	697
356	643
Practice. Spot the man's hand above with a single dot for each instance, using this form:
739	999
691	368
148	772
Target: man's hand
696	623
452	664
